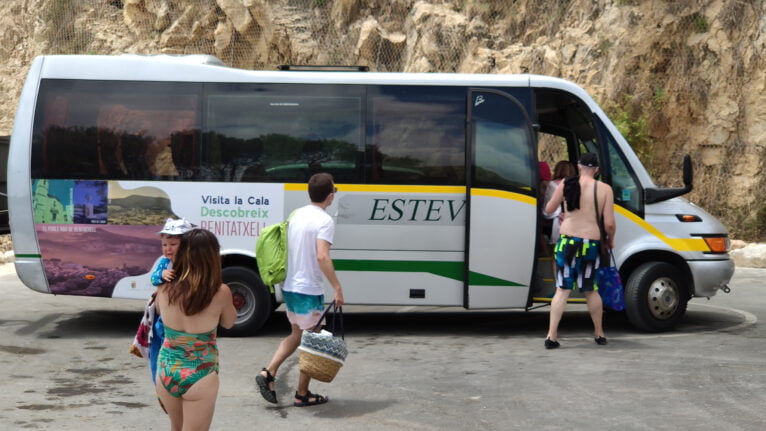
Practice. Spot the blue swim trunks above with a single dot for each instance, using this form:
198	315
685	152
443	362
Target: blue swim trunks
577	260
303	310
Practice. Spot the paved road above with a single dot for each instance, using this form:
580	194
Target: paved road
67	368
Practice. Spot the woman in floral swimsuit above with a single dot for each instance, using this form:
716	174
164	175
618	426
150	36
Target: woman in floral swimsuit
192	307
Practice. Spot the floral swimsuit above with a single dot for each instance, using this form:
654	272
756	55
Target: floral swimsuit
185	358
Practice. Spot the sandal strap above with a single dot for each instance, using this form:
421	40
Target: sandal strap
269	377
305	398
317	398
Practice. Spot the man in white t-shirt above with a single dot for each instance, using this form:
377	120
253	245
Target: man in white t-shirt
309	238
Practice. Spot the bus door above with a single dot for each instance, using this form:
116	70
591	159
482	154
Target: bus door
502	182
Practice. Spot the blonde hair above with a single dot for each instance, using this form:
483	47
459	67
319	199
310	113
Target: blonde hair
198	266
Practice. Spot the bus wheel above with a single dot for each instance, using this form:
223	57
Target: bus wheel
251	299
654	297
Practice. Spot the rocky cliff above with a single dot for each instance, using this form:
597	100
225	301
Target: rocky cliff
679	76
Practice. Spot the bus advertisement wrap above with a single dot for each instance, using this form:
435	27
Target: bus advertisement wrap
115	224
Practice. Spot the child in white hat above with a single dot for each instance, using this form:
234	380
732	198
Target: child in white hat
171	239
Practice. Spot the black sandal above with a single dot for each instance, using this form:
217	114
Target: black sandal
318	399
263	384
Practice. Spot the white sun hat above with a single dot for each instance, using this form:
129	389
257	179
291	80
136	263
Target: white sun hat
176	227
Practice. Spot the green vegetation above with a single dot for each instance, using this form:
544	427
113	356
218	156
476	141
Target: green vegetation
759	224
743	222
751	227
604	45
751	224
634	127
660	97
701	25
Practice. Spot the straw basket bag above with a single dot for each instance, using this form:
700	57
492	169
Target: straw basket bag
323	353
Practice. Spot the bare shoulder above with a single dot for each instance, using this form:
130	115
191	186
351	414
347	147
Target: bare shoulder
160	293
224	290
604	186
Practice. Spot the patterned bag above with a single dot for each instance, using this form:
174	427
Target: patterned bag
609	287
608	280
323	353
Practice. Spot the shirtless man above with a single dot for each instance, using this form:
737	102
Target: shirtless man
577	256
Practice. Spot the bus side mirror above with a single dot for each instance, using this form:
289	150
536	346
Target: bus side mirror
688	172
653	195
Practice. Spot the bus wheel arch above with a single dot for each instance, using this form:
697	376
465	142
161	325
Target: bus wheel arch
656	296
251	296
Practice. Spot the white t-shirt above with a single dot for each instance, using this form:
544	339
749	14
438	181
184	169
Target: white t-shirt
307	225
556	216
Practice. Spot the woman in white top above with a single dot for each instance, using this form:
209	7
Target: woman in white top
562	170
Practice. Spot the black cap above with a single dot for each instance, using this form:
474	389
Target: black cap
589	159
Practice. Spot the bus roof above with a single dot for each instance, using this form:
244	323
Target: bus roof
207	68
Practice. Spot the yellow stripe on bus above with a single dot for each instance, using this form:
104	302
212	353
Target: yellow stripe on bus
678	244
504	195
373	188
570	300
387	188
295	187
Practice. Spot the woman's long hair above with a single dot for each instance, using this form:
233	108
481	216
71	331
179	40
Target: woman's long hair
563	169
198	271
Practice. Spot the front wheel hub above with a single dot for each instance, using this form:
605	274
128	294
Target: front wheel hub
239	300
663	298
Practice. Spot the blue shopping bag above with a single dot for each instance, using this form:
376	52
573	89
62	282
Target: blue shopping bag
610	287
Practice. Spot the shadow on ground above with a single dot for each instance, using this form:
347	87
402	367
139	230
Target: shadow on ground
439	322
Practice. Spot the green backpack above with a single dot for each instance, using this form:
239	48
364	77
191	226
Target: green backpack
271	253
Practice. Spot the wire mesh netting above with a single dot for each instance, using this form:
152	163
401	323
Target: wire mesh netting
599	44
400	35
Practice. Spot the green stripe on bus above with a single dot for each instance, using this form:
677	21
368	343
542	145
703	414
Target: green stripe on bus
452	270
33	256
479	279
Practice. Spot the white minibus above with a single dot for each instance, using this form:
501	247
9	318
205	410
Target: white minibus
439	187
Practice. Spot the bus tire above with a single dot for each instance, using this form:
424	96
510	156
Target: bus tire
252	299
655	299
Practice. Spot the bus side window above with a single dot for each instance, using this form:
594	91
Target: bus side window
503	142
416	136
134	156
627	192
115	130
69	152
280	133
64	149
182	146
111	128
107	149
183	143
